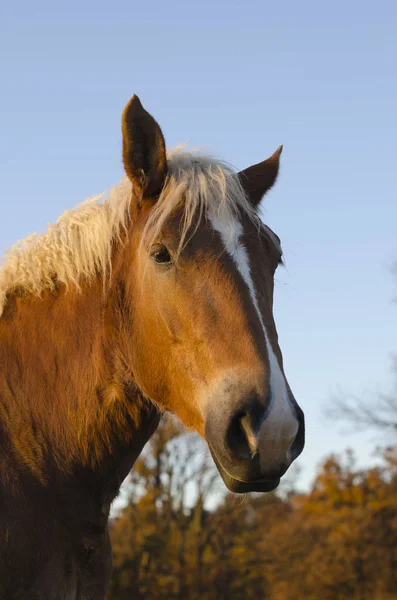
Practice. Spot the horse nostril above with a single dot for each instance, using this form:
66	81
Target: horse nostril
241	436
238	439
246	423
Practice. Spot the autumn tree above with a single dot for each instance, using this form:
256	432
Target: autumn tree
340	540
172	541
161	533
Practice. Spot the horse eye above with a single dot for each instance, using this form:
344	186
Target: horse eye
162	256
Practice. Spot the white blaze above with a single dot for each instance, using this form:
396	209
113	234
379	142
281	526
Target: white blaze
281	419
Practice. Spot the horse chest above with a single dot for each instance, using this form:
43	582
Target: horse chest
43	558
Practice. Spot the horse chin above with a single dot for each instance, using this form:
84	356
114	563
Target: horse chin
244	487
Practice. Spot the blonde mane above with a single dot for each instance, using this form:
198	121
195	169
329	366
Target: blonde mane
79	245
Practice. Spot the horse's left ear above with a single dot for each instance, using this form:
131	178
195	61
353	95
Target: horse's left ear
258	179
144	152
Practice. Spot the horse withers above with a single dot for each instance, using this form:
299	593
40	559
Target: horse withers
157	297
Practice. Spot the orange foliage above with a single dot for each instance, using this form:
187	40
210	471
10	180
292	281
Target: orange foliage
339	541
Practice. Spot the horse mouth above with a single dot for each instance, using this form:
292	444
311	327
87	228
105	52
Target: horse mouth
243	487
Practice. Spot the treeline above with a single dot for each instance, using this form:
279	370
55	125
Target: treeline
337	542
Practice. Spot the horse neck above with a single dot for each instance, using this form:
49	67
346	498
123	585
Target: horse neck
68	400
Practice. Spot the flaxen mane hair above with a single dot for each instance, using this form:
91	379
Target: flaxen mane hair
79	245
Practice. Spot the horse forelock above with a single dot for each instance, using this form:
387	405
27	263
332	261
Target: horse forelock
201	186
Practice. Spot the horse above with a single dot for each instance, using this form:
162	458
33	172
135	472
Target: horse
154	297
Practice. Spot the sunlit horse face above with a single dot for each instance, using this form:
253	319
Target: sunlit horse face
205	344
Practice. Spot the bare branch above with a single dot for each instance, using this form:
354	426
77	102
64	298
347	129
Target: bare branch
379	413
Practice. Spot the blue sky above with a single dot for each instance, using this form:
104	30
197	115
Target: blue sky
237	79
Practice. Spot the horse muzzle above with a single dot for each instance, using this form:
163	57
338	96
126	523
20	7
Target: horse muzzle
254	441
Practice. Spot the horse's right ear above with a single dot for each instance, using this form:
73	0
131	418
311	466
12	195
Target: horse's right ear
144	153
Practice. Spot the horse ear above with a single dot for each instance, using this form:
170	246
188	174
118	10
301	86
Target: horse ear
258	179
144	153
